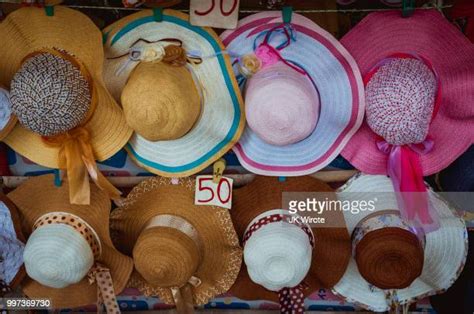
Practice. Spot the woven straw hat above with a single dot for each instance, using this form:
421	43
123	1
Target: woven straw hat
279	63
428	36
12	245
7	118
56	61
388	254
177	247
196	114
268	260
64	241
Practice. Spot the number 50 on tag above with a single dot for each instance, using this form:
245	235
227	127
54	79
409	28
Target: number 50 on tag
210	193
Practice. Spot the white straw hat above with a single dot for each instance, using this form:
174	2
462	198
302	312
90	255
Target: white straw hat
445	249
206	134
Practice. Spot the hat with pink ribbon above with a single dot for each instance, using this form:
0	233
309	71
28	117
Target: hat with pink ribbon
303	93
419	113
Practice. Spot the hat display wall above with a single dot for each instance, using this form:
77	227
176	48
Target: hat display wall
304	96
67	117
184	253
7	118
69	256
12	244
284	262
419	114
392	264
177	90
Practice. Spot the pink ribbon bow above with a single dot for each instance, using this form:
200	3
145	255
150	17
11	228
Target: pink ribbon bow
404	169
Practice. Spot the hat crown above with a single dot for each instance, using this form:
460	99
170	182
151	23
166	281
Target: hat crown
400	99
49	94
278	256
11	247
57	256
161	101
282	105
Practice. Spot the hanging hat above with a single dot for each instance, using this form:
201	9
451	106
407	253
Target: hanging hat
303	93
12	244
67	117
392	264
69	256
7	118
177	90
419	113
184	253
286	261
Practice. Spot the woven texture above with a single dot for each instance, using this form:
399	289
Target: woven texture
399	101
49	95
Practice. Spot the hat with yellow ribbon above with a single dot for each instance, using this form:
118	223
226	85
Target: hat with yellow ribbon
177	91
53	65
69	256
184	253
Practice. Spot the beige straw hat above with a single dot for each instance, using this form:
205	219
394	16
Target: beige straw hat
179	249
68	247
177	90
55	62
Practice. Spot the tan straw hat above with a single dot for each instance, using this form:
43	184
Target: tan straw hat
176	86
393	263
182	252
69	256
55	63
12	244
274	254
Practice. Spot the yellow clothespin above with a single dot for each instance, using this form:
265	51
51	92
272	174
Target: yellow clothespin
219	167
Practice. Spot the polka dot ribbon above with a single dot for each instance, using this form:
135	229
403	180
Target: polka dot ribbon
98	274
292	299
276	218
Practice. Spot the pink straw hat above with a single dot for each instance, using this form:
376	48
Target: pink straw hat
427	35
303	93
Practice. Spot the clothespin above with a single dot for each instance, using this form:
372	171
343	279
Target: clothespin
408	7
49	10
158	14
281	179
287	12
58	180
174	181
219	167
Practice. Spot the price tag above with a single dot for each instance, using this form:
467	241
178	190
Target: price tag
214	13
210	193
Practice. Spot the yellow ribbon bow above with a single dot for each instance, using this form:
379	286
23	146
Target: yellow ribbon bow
100	275
77	158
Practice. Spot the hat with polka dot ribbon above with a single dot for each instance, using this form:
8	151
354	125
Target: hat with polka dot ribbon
12	244
67	118
69	256
419	115
286	260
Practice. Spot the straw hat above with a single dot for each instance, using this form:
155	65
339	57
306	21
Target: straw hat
197	113
12	245
392	265
55	62
279	255
179	249
279	63
7	119
68	247
435	83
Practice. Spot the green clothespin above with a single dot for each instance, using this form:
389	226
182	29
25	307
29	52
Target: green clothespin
281	179
58	180
158	14
287	12
49	9
408	7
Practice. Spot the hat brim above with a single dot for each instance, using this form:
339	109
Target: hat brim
222	118
332	246
430	35
28	30
222	255
33	203
340	88
444	254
